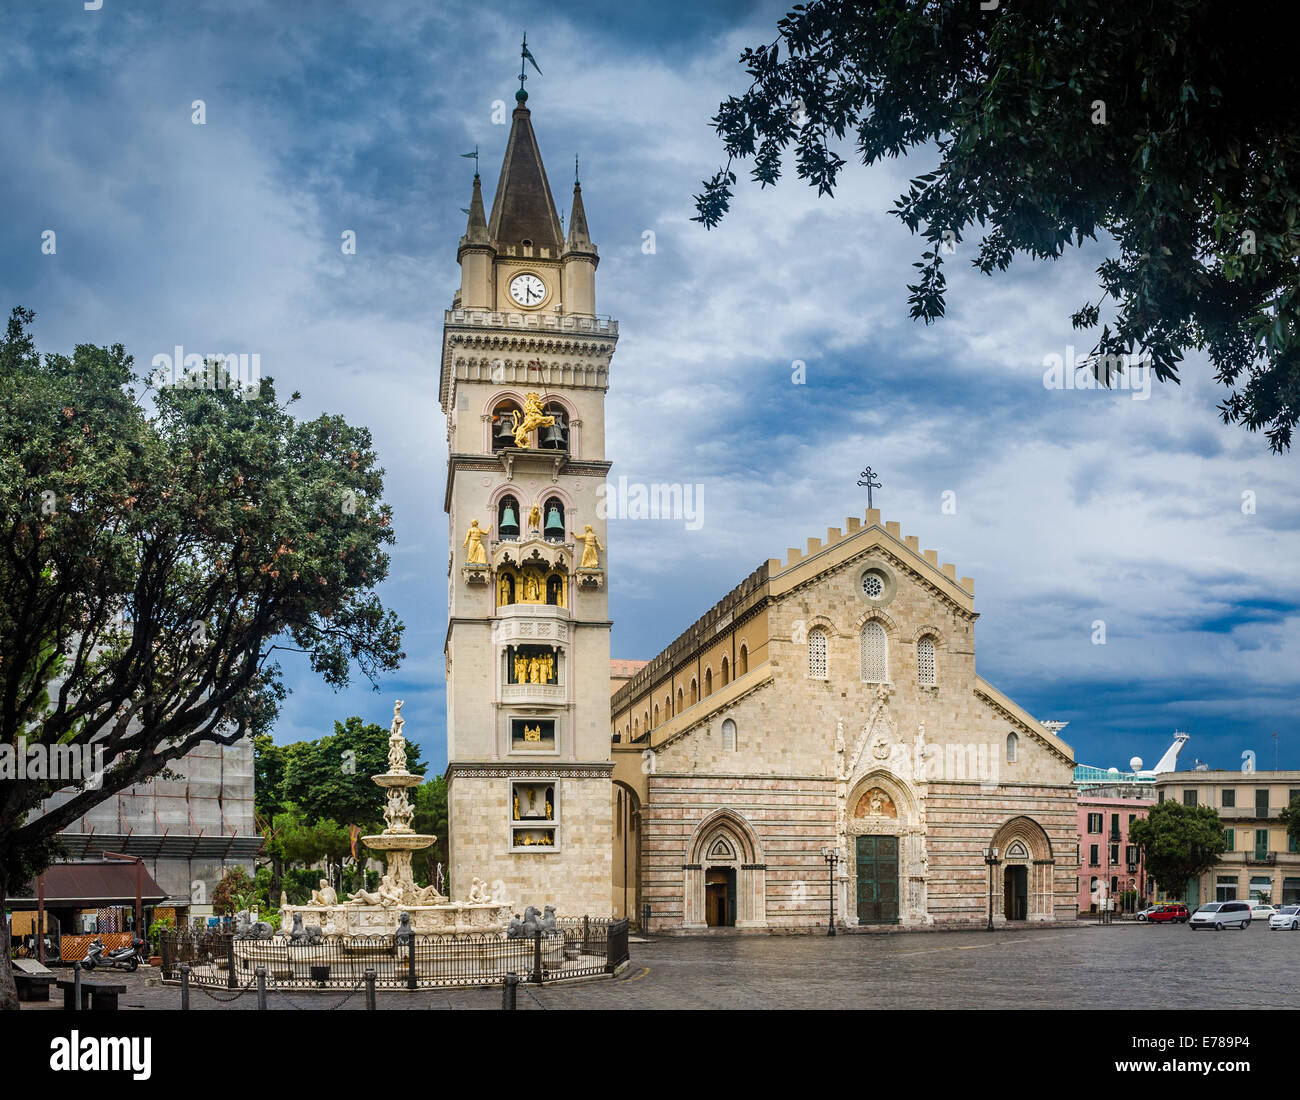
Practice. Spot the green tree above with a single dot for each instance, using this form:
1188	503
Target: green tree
331	776
1179	843
1290	817
430	799
1168	127
155	560
233	892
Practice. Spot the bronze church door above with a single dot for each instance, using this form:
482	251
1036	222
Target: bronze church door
877	879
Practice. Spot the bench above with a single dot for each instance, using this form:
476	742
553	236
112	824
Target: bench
33	980
95	994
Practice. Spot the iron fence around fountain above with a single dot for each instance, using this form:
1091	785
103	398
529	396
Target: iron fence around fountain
578	947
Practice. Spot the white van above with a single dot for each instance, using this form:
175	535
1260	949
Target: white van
1220	915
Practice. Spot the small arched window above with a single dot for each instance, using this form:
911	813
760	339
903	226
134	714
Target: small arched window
875	654
680	698
503	424
728	736
742	661
656	714
695	692
926	673
555	437
1013	742
708	681
508	518
817	667
726	675
553	529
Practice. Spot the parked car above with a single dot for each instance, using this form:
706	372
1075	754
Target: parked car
1220	915
1287	917
1261	910
1144	914
1169	912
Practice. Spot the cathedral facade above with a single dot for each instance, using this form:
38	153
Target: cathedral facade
820	736
818	739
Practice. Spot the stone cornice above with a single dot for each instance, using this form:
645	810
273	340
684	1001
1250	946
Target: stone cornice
558	461
501	769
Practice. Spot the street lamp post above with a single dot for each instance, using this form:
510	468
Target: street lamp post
832	857
991	858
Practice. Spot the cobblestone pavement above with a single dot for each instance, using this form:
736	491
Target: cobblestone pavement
1084	966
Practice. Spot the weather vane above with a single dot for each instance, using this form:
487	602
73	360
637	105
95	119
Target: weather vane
474	156
526	55
869	480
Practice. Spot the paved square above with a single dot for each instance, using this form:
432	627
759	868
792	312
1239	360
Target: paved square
1086	966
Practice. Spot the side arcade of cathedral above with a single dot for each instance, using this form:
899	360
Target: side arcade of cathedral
828	705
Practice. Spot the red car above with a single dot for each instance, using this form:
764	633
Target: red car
1174	911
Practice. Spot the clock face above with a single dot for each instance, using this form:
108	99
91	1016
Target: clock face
527	290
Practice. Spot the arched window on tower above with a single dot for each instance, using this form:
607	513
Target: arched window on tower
875	654
695	691
708	682
555	590
742	661
503	424
556	436
508	518
680	701
728	736
553	520
656	714
926	673
726	673
1013	744
817	664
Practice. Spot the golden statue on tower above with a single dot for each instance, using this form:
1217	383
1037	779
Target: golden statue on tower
534	417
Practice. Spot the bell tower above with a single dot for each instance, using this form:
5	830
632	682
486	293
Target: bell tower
525	368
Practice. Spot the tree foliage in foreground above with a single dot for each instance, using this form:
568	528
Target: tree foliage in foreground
154	560
1169	127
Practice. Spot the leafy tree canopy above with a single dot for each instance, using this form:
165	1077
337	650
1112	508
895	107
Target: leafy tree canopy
1179	843
155	560
1290	817
1170	127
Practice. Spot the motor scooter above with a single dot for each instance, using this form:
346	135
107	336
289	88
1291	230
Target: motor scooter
124	958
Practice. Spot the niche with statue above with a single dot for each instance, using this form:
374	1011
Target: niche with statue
532	664
534	815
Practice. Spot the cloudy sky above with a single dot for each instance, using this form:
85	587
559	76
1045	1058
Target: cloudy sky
1071	506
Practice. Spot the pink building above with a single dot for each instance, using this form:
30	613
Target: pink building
1110	864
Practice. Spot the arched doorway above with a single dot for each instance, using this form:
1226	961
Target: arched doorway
725	877
884	877
626	899
1027	871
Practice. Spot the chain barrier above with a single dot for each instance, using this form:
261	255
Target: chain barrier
223	1000
273	984
535	1000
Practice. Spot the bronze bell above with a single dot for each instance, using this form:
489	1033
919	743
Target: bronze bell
554	437
554	523
505	432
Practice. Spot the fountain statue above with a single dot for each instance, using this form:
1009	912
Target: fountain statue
398	902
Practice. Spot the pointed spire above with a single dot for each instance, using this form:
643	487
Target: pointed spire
579	239
476	229
522	208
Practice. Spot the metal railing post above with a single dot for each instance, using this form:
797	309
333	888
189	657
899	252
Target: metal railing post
76	987
509	990
231	979
537	957
370	989
410	963
185	987
261	989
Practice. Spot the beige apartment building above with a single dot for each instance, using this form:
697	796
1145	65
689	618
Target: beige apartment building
1261	861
